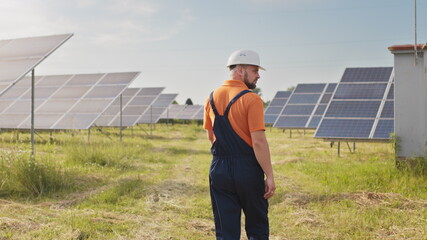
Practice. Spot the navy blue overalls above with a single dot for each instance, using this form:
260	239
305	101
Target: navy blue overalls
236	182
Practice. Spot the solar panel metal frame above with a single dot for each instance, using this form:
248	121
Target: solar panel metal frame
76	110
33	60
385	99
299	101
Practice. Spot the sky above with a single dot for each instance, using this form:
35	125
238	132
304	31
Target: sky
183	45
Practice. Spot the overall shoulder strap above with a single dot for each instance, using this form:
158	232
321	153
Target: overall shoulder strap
213	104
234	100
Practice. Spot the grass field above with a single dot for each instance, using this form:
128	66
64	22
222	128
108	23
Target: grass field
155	186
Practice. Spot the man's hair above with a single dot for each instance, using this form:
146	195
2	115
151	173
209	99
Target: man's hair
233	68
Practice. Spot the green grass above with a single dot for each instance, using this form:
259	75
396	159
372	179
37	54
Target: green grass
156	187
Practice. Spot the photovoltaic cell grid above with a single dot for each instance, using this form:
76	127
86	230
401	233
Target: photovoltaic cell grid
305	106
109	115
189	112
62	101
19	56
159	106
362	106
135	102
183	112
172	111
200	114
275	107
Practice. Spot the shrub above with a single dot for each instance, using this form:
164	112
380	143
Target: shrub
22	173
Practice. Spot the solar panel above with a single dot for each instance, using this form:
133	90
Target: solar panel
189	112
135	102
157	108
362	106
60	105
275	107
19	56
199	114
305	106
172	111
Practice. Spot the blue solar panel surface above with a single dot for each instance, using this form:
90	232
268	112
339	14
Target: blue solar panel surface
362	106
378	74
305	98
360	91
314	122
298	109
292	121
305	106
273	111
276	106
384	129
353	109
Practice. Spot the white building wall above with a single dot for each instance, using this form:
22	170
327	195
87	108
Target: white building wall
410	104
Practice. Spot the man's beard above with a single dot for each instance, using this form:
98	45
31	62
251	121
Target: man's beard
248	84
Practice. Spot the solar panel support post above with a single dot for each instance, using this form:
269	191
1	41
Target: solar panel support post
167	116
88	135
121	118
32	113
349	148
339	149
151	120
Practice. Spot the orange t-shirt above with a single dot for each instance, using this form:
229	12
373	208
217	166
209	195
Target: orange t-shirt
246	114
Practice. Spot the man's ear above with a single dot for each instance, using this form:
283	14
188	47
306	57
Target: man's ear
239	70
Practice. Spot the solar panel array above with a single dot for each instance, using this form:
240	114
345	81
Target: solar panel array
183	112
159	106
305	106
135	102
62	101
362	106
200	114
19	56
189	112
172	111
276	105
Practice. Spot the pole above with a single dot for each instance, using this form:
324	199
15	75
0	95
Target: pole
32	113
121	118
415	33
151	120
167	116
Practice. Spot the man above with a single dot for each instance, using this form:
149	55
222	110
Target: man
241	175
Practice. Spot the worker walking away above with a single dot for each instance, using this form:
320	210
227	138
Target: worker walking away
241	175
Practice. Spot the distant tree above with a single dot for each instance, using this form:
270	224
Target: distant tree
189	102
290	88
257	91
174	102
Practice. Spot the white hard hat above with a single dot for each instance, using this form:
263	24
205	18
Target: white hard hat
244	57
